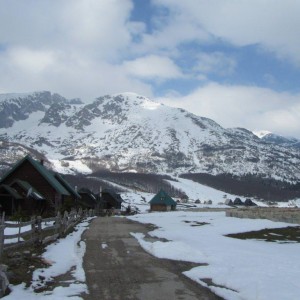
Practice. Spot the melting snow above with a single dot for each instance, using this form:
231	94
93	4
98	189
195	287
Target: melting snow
240	269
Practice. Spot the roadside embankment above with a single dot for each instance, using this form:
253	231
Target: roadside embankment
288	215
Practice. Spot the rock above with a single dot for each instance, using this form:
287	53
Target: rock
41	278
3	280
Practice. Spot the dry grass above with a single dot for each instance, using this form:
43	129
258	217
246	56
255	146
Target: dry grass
280	235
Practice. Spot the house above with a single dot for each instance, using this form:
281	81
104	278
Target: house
238	201
229	202
44	183
9	199
32	201
110	199
249	202
162	202
88	198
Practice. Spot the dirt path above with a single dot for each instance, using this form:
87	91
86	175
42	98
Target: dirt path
117	268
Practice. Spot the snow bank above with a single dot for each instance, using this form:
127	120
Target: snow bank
63	255
240	269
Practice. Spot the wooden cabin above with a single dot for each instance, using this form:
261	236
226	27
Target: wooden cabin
162	202
33	203
110	199
51	186
10	199
88	198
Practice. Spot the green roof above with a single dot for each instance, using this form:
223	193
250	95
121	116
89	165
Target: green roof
162	198
48	175
66	185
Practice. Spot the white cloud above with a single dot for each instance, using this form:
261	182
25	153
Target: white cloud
216	63
80	48
94	27
70	47
274	25
153	67
31	61
244	106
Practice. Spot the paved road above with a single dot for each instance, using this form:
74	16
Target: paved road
117	268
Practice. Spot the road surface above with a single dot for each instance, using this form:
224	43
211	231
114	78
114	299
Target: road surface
117	268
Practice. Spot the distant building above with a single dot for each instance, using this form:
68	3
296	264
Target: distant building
228	202
110	200
88	198
38	187
162	202
238	201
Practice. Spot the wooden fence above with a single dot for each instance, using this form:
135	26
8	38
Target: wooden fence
41	230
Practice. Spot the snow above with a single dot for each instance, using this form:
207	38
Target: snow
64	255
104	246
261	133
70	166
240	269
146	132
9	96
139	200
195	190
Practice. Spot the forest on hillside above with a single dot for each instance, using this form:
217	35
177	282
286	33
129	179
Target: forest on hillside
249	186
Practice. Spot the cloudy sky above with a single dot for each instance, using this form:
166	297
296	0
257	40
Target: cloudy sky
235	61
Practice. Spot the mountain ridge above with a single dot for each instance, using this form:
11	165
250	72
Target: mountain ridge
128	132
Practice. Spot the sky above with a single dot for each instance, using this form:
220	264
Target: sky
236	61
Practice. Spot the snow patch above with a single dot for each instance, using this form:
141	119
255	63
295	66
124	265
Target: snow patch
240	269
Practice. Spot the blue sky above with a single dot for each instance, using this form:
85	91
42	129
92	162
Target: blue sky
237	62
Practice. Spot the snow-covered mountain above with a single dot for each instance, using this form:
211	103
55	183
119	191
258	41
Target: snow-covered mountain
128	132
277	139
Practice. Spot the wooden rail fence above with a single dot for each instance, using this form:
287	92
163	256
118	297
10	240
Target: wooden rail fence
41	231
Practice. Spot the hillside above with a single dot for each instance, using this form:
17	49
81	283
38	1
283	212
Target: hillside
130	133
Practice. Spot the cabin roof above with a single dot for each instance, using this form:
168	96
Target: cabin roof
54	179
29	189
89	193
162	198
11	191
113	194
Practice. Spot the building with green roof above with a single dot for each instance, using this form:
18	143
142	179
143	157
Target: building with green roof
162	202
45	183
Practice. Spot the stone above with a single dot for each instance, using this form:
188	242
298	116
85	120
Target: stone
3	280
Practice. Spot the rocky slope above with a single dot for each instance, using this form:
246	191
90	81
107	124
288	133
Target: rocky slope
128	132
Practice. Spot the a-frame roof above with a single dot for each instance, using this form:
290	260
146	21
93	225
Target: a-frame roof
11	191
162	198
48	175
66	185
28	188
117	197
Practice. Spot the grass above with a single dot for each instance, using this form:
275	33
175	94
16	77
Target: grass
280	235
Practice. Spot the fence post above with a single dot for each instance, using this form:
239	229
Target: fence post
32	227
2	227
58	223
65	221
39	229
3	218
19	232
